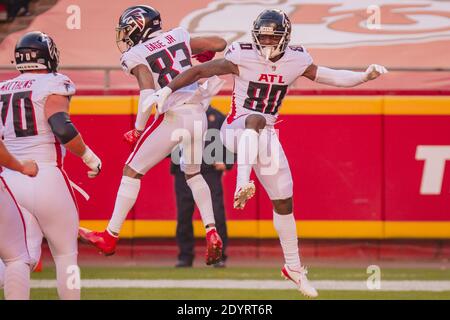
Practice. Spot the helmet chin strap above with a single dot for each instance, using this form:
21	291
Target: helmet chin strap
270	52
267	52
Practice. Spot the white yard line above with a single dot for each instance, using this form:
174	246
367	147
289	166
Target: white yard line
386	285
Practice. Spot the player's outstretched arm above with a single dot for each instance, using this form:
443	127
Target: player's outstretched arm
216	67
57	115
207	43
147	88
343	78
7	160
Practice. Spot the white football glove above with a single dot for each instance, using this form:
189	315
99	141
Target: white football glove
148	102
161	98
93	162
374	71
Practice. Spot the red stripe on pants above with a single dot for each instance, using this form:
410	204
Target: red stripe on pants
58	153
146	134
66	179
20	212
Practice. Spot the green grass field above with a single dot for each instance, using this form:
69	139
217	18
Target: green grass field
315	274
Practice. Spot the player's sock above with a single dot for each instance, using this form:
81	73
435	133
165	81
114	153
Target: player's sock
246	156
287	232
202	197
2	274
17	280
68	277
126	198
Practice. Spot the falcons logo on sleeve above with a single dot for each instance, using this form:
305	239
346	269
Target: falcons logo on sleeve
67	85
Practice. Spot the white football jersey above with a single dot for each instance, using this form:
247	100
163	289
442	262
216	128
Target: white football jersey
26	132
166	55
261	85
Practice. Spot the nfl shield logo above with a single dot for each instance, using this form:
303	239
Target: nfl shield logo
274	68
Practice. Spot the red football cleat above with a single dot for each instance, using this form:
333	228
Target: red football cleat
213	247
103	241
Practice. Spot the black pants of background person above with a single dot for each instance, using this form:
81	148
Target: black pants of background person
185	210
13	7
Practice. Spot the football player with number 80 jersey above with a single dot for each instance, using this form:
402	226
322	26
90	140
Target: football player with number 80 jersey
262	71
154	58
35	113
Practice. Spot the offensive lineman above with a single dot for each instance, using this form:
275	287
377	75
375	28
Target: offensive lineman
13	246
262	72
155	57
34	111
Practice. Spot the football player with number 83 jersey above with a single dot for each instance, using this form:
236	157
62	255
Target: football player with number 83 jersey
154	58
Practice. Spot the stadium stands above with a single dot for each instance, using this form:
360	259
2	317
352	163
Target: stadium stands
3	13
412	68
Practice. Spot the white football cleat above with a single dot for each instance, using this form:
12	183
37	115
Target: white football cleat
300	280
244	194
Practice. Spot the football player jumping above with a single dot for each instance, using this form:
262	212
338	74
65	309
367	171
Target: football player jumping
154	58
262	71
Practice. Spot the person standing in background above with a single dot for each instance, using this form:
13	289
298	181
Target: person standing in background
16	8
185	201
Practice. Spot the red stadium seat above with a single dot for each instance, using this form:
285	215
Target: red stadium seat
3	13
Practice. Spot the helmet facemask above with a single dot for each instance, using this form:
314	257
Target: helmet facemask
278	46
123	41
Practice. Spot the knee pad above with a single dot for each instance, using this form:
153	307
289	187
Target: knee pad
23	258
190	169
